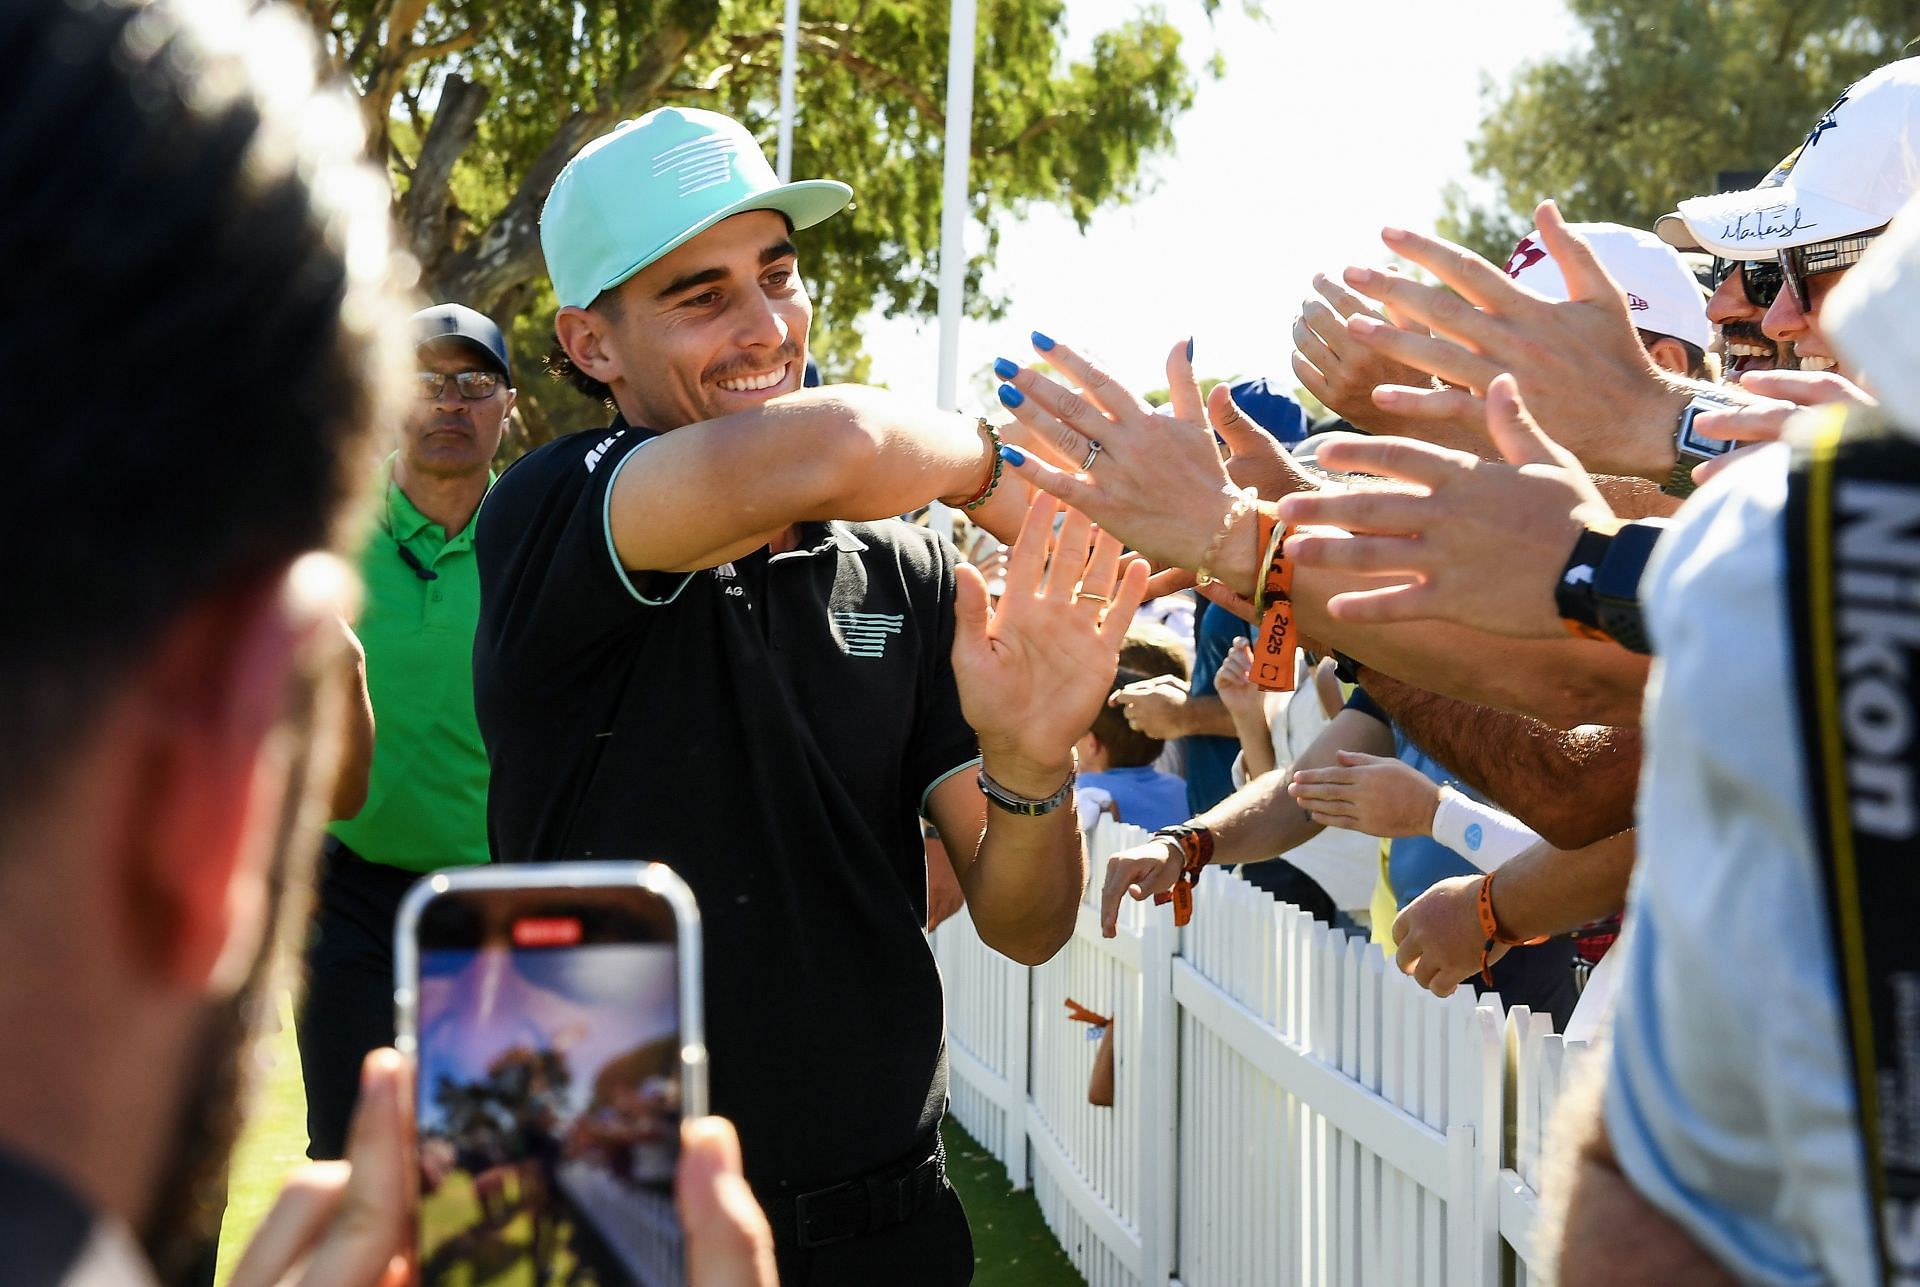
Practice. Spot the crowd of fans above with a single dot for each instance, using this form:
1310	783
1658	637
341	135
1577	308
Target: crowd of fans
1590	608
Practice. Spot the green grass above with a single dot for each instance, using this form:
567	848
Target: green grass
274	1142
1011	1243
1012	1246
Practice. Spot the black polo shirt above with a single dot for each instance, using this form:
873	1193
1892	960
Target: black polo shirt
769	729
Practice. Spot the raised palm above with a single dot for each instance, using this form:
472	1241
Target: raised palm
1034	670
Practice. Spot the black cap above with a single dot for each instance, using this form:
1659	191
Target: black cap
457	321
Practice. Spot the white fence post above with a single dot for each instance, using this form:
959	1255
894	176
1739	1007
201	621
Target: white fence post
1019	1070
1157	1123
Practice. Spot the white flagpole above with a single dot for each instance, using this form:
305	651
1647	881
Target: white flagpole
953	200
789	57
953	214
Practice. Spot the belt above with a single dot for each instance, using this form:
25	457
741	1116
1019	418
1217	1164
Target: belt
868	1203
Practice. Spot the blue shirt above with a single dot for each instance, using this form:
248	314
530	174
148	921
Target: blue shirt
1145	796
1210	759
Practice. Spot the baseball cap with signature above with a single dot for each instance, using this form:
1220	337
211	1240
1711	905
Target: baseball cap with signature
654	183
1663	296
1857	167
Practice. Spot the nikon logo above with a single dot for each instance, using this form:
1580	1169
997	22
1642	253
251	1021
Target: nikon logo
1878	599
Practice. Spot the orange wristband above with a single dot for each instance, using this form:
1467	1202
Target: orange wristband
1196	851
1490	930
1279	638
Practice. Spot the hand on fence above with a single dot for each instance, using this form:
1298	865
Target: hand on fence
1439	935
1372	794
1137	873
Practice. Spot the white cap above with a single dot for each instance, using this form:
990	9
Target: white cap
1870	319
1662	293
1857	167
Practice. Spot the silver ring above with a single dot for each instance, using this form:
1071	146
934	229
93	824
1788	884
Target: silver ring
1097	598
1093	454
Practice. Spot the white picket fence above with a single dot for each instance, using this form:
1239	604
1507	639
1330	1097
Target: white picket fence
1288	1109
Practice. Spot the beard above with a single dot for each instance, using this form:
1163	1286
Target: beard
182	1227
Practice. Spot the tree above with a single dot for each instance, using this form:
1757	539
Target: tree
1664	96
477	105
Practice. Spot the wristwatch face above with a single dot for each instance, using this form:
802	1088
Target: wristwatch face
1691	442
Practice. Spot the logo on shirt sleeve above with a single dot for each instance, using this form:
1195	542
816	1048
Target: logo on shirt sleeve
865	634
594	457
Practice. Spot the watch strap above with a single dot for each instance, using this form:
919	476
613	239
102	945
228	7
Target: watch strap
1025	806
1573	593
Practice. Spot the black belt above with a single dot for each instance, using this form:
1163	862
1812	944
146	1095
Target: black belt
890	1195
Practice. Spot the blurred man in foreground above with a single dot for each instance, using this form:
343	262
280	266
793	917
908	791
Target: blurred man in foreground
171	661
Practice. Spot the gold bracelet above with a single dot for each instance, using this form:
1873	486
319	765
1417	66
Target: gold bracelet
1270	548
1243	499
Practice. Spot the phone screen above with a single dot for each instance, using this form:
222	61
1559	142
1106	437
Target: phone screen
550	1087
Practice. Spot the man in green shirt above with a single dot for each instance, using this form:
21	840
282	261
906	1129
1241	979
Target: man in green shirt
426	805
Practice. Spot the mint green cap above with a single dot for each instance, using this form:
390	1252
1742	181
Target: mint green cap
655	183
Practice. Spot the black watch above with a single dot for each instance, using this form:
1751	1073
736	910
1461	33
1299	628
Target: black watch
1598	594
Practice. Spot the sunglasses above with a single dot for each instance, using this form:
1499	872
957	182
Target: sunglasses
1760	278
1802	262
473	385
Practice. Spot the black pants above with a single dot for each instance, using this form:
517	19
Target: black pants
348	1007
934	1248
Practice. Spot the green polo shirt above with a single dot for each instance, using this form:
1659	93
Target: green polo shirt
427	799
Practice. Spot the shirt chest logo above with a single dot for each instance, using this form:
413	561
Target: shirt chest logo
865	634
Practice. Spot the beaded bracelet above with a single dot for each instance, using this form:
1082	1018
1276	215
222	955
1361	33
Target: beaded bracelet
992	484
1242	502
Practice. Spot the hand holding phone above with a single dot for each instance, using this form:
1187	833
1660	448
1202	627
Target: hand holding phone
553	1013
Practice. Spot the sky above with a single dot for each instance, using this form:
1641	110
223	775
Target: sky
1332	120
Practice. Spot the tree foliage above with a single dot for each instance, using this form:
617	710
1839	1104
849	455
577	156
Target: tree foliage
1662	96
478	104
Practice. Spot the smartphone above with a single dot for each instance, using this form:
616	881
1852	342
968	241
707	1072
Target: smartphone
552	1011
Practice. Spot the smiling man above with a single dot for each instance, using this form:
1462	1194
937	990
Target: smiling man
426	804
704	641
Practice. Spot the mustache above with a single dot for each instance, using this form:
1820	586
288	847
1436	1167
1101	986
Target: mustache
1746	332
788	353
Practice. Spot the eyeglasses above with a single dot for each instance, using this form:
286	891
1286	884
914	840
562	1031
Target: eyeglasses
1761	279
1802	262
473	385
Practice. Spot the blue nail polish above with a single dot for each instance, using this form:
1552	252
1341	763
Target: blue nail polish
1012	455
1005	369
1041	342
1010	396
1189	348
